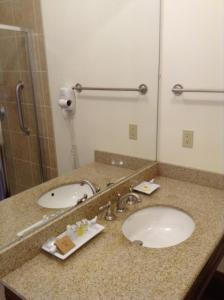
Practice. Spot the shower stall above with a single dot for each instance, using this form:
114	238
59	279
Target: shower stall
20	152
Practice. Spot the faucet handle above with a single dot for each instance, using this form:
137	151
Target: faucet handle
109	216
118	195
82	199
131	188
98	188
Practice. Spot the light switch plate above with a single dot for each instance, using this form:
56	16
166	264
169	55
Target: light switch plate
133	131
188	139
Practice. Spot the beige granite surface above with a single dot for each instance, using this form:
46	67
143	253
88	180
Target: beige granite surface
22	210
110	267
197	176
221	266
16	254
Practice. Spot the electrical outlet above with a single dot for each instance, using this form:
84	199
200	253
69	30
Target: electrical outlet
188	138
133	131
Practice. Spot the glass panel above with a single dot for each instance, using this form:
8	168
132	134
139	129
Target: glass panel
20	151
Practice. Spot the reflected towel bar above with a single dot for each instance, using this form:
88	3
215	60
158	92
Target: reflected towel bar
142	89
178	90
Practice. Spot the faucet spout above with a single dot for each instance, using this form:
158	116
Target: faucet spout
95	189
128	198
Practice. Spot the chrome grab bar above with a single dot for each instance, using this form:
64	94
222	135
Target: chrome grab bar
19	88
142	89
178	90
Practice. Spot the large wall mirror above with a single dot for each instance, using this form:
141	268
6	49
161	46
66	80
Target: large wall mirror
46	48
97	45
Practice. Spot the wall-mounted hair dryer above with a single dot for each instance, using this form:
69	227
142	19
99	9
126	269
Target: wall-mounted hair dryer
66	99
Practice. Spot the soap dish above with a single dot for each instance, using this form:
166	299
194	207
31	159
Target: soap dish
79	241
146	187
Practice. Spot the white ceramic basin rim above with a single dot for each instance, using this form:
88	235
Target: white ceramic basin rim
158	227
65	196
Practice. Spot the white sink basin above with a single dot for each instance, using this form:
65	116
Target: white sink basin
65	196
158	227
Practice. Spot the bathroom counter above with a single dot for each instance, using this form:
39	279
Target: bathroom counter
15	206
110	267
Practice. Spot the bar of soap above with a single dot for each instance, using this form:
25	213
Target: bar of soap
64	244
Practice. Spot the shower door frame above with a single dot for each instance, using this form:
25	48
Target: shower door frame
28	49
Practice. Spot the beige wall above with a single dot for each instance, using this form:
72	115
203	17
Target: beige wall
193	55
22	155
103	43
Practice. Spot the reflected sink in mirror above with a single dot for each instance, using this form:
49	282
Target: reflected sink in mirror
158	227
67	195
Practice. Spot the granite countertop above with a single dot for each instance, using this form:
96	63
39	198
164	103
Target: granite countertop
15	206
110	267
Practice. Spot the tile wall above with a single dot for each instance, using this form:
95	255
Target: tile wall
21	151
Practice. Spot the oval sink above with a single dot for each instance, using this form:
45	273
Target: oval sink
65	196
158	227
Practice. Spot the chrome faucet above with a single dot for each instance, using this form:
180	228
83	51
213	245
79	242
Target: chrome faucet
95	189
82	199
109	216
129	198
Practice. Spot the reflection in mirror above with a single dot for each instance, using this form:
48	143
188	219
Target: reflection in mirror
54	135
21	162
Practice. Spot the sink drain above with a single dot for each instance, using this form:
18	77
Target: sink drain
138	243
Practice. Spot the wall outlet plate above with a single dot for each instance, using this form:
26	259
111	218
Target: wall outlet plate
188	139
133	131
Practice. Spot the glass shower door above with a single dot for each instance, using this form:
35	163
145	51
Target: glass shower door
19	143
